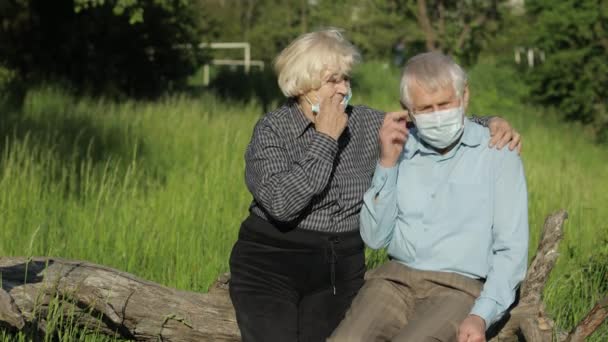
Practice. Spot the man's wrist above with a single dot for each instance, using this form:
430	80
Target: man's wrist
384	176
387	163
480	320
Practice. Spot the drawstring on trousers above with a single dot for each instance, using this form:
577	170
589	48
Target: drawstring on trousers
333	258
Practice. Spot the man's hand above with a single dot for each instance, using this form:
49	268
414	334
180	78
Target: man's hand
502	133
393	135
472	329
331	118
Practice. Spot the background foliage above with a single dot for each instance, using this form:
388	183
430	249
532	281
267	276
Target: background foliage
574	77
131	47
101	46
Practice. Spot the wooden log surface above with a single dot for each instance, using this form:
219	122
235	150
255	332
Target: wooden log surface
544	259
115	302
528	318
120	304
592	321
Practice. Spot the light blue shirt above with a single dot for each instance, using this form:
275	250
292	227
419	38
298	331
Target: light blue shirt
464	212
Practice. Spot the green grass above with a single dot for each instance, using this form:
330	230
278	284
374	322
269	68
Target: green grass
157	189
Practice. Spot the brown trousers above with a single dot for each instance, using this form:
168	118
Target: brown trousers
399	303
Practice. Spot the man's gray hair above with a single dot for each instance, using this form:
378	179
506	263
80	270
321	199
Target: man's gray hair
432	71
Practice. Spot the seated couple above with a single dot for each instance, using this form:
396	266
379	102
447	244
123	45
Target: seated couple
451	209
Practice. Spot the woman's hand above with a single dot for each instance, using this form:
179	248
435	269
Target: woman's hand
502	133
331	119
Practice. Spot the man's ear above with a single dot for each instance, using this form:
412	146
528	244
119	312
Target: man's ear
465	97
409	114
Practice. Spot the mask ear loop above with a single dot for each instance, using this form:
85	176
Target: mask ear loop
307	99
314	112
410	115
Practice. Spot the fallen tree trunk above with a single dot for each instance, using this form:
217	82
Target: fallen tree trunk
111	301
120	304
528	317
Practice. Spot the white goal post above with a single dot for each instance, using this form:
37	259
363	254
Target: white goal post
247	62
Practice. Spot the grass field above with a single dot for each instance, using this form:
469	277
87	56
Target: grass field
156	188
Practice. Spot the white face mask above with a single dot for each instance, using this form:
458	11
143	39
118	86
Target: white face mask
315	107
346	99
441	128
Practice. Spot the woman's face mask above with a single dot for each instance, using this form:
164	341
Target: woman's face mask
315	107
347	98
440	128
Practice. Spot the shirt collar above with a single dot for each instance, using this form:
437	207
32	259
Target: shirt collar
301	122
471	137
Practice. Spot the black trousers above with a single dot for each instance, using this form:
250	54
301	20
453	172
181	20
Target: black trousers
293	286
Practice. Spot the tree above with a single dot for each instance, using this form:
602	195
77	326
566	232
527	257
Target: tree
574	77
120	46
459	28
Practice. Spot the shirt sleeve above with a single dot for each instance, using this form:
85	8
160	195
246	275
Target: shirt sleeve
509	258
285	187
481	120
379	211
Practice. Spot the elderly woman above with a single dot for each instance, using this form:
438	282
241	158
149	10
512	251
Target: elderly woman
299	259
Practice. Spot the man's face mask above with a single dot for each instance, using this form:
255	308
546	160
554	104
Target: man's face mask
440	128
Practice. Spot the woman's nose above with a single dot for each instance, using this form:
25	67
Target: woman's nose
342	86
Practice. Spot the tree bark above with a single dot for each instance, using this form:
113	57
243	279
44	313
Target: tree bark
528	317
466	31
545	258
111	301
590	323
441	22
427	27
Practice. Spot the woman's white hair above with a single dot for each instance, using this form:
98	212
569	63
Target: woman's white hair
432	71
301	66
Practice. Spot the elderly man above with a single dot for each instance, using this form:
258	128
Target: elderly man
452	213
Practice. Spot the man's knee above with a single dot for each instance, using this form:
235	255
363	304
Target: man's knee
378	312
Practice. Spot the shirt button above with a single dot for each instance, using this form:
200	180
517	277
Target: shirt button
433	196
